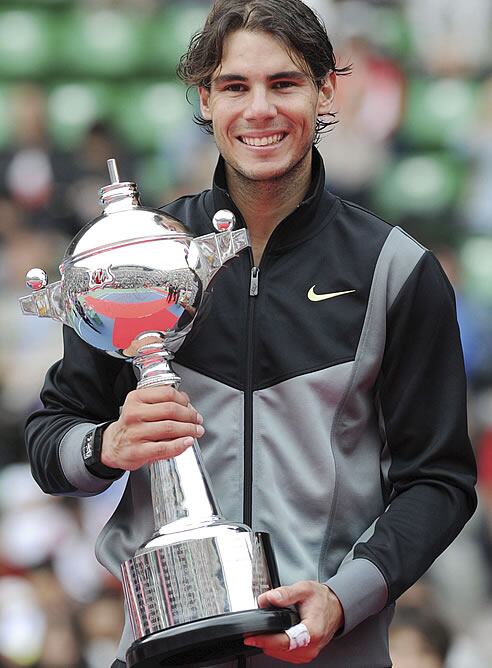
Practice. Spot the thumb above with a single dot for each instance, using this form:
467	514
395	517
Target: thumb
281	596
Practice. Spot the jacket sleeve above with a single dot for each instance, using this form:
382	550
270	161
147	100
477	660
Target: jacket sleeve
81	390
421	399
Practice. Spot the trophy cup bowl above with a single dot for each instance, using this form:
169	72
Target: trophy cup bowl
132	283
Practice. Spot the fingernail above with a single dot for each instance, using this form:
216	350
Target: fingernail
188	441
199	418
250	642
200	430
277	595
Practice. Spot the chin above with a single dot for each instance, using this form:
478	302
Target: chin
268	175
265	172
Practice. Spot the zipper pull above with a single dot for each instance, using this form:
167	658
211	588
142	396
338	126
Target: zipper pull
253	286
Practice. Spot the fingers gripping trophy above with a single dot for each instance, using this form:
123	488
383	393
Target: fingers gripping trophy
132	282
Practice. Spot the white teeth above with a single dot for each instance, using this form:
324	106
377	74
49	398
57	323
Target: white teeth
262	141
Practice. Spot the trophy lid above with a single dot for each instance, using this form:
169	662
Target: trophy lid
123	222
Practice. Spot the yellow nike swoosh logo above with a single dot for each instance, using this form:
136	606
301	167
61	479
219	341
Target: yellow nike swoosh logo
312	296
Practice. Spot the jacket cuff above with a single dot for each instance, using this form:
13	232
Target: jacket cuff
70	455
361	590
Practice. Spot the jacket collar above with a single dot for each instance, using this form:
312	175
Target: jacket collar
302	223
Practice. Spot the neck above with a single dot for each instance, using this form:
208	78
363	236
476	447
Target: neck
264	204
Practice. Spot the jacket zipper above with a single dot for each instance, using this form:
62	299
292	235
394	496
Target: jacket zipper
248	402
248	405
248	415
254	282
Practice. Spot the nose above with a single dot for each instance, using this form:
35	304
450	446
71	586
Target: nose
260	105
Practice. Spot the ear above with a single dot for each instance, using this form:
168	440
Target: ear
326	94
204	94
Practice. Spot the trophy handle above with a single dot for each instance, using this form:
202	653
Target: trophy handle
180	487
218	248
44	301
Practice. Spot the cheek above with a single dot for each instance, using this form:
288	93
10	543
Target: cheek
221	118
304	114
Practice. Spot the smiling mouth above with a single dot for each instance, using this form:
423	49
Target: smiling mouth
271	140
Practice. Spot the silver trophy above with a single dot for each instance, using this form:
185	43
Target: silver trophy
132	282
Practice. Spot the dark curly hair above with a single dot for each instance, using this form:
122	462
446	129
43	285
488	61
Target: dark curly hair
292	22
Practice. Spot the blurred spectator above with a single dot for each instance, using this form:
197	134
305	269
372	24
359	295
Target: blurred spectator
101	624
62	647
478	146
33	525
31	167
451	38
369	102
27	346
475	321
485	490
418	639
87	171
22	624
58	607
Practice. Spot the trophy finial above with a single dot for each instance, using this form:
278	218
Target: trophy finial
118	196
36	279
113	171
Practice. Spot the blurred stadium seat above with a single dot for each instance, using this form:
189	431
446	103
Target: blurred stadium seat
475	256
5	117
104	42
154	175
170	33
438	111
389	30
147	114
420	184
73	107
27	39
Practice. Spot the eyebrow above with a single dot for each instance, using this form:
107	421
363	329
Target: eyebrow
291	74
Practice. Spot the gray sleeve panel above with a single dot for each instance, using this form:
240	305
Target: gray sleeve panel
74	469
359	584
361	589
354	421
407	252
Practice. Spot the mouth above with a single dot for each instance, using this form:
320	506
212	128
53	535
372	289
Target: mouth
267	140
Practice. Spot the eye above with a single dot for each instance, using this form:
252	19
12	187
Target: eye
235	88
283	84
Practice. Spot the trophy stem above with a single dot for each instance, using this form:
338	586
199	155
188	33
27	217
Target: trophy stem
180	486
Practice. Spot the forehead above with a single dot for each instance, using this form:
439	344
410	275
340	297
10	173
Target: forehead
255	53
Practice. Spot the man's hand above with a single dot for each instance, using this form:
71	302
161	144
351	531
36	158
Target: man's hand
155	423
319	609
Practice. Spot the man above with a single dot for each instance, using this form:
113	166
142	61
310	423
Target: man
329	369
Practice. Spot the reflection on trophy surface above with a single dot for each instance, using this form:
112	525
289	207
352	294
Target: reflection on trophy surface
132	282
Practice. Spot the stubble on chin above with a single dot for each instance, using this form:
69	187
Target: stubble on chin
289	174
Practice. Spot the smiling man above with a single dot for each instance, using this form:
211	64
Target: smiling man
329	368
264	108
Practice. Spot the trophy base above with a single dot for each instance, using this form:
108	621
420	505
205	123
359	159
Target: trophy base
209	641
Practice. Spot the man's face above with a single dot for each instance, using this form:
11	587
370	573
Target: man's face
263	107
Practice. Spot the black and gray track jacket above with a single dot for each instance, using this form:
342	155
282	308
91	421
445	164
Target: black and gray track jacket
336	423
